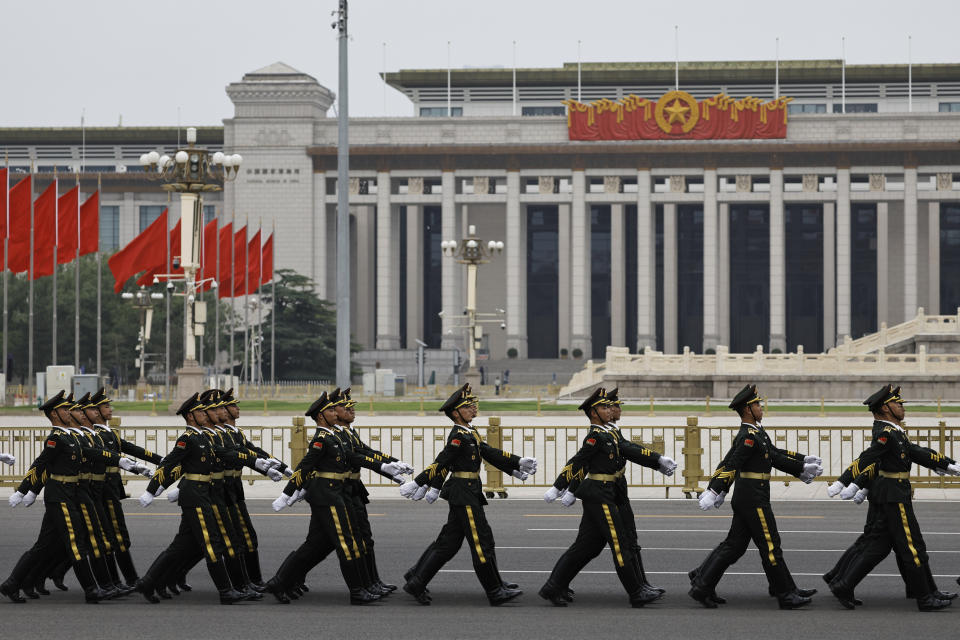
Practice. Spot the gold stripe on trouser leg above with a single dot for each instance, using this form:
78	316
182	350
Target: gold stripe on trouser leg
613	535
243	527
766	534
906	530
343	541
93	536
206	535
223	530
73	536
103	534
476	536
356	549
116	525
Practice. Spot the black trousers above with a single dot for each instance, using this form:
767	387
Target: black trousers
859	545
198	530
894	527
463	523
601	525
756	523
329	532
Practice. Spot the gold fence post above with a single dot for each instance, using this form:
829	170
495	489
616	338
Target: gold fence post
265	406
494	475
943	445
538	406
153	408
692	457
939	413
421	412
114	422
371	406
823	413
707	413
651	406
298	440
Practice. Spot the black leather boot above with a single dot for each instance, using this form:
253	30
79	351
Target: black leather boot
500	595
30	592
930	602
643	596
415	587
792	600
12	592
163	593
146	591
361	596
274	587
843	593
552	593
42	587
229	596
643	574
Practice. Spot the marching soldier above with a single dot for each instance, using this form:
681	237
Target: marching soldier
748	463
321	475
894	524
592	475
463	492
632	452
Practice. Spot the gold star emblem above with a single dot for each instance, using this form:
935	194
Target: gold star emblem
677	111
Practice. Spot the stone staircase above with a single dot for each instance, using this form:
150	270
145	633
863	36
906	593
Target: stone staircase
939	334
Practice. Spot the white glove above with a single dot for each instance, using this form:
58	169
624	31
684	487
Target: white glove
274	475
262	464
15	499
953	469
815	459
708	499
391	468
282	502
810	471
521	475
720	498
128	464
667	465
407	489
834	489
296	497
146	498
432	495
849	491
156	494
568	498
274	463
288	472
940	472
146	473
173	494
404	467
552	494
528	465
860	497
8	458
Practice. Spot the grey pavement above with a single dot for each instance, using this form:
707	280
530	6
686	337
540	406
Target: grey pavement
530	536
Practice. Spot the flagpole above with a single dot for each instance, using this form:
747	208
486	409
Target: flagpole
843	74
76	291
676	51
56	239
578	70
32	383
99	281
259	306
233	307
273	305
216	303
166	267
910	73
246	291
6	251
776	77
514	77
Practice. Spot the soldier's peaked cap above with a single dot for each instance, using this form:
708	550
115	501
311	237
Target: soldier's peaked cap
228	398
322	403
55	402
597	398
747	395
190	404
613	397
459	398
888	393
99	398
82	402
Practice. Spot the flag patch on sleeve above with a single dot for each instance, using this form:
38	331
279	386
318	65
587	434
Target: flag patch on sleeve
318	445
181	444
455	442
591	441
748	442
51	443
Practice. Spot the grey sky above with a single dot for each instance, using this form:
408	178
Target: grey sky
143	60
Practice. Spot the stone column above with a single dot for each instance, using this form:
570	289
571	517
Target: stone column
778	273
829	277
670	278
933	258
364	288
646	264
414	275
388	315
618	277
710	280
843	254
883	263
516	250
723	275
580	337
911	249
450	275
319	228
563	276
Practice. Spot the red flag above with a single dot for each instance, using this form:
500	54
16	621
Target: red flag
68	206
160	270
4	189
266	262
143	252
19	228
44	231
239	262
224	275
208	257
253	262
90	225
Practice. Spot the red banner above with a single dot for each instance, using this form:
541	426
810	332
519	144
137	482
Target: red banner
44	231
68	208
19	229
208	259
677	116
253	260
239	263
267	261
90	225
224	275
144	252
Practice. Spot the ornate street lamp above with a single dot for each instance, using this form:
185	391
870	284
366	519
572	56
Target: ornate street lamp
472	251
191	172
142	302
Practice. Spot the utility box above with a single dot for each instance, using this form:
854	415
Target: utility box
386	382
85	383
400	385
369	382
58	378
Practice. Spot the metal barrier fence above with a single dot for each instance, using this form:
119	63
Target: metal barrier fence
696	449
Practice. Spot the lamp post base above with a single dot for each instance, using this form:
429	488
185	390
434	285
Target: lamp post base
473	377
190	380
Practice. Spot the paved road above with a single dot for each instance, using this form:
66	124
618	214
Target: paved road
530	536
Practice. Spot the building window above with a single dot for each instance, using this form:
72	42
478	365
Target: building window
600	279
856	107
109	228
439	112
803	240
209	213
949	257
949	107
863	270
690	277
432	282
543	111
749	271
806	108
149	213
543	234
